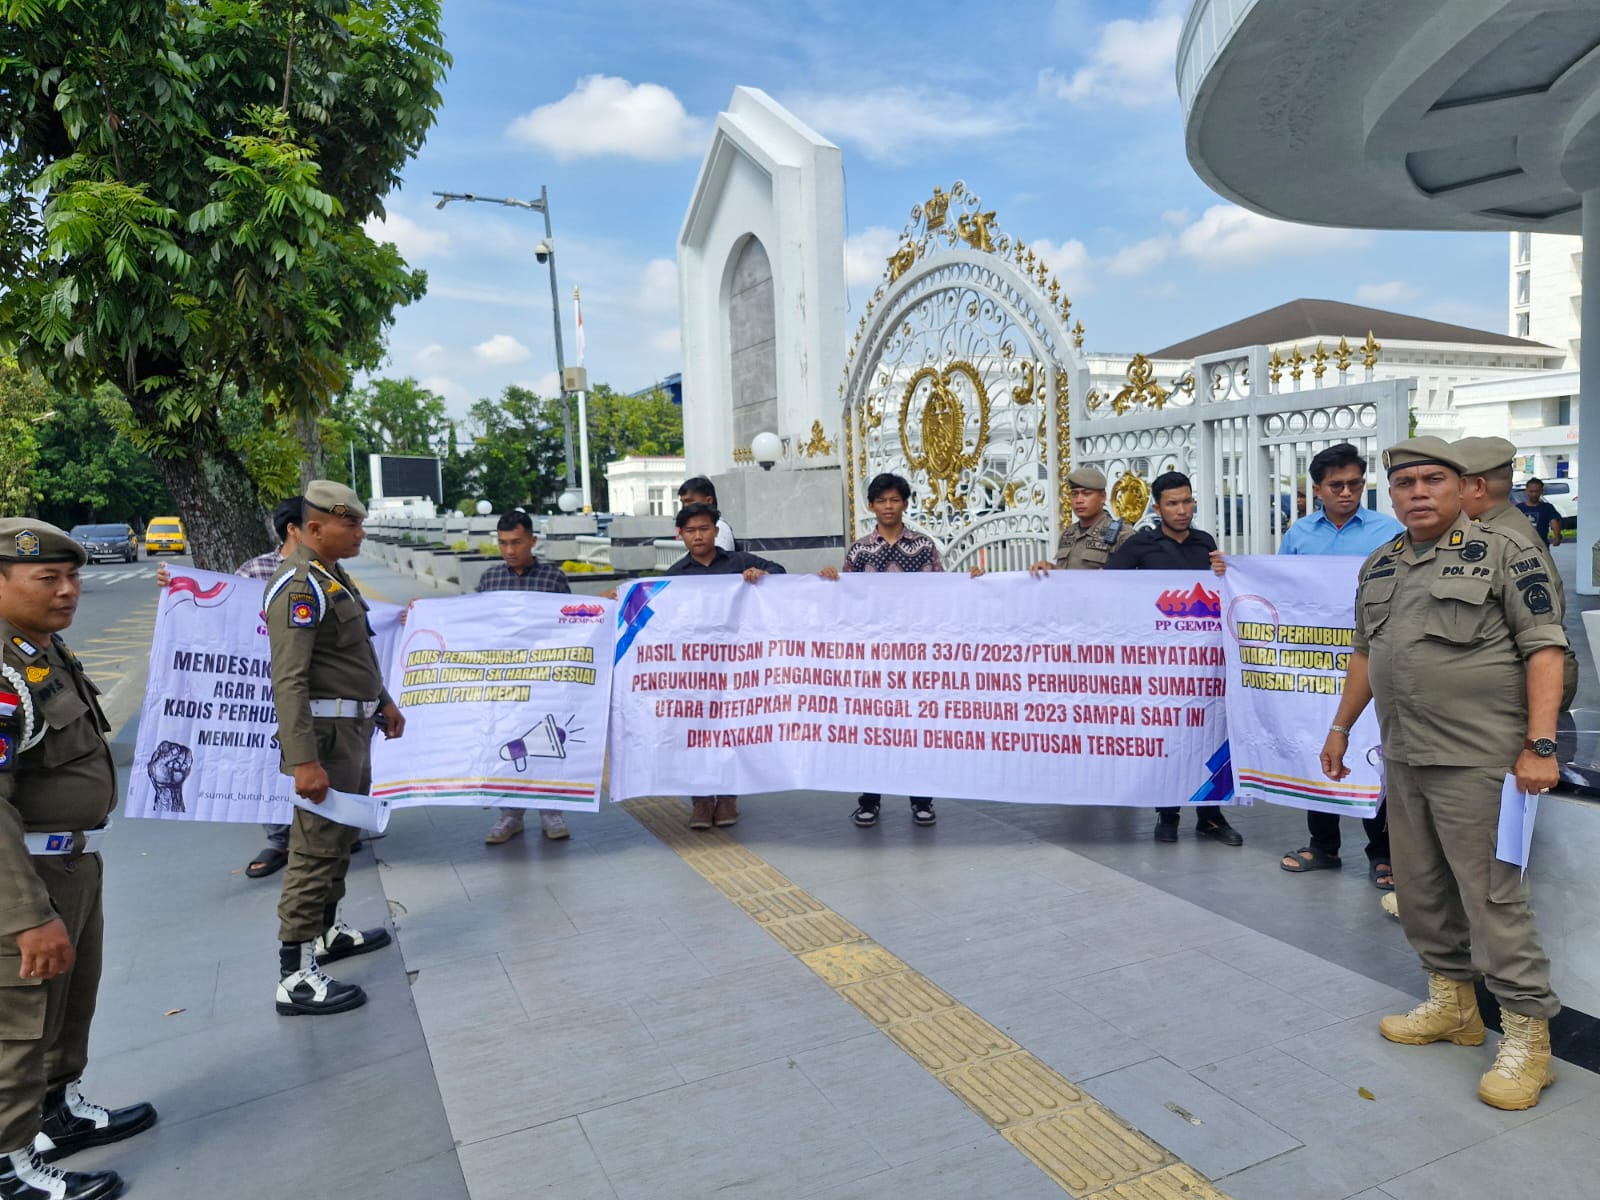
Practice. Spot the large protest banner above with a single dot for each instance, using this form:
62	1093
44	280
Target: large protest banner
208	746
1081	688
505	697
1287	624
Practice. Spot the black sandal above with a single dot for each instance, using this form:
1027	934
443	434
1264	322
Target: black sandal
1309	858
1382	876
269	860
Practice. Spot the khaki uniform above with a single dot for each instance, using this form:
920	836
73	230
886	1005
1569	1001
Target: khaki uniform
321	650
1087	547
1506	517
64	783
1447	630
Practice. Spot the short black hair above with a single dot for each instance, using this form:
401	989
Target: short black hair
698	485
1533	479
690	511
1336	458
289	512
888	483
514	520
1169	481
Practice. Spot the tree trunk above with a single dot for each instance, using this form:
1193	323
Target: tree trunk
313	463
223	519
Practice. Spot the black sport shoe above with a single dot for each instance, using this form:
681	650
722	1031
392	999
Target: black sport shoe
866	815
1219	830
345	941
1166	831
922	812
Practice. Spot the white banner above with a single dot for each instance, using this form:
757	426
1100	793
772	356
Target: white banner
208	732
1288	624
505	697
1081	688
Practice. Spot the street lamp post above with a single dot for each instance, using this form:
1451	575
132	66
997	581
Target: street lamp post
545	252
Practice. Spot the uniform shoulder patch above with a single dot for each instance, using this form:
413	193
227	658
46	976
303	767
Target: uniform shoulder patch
302	609
38	674
1399	544
24	645
1457	536
1474	550
1537	599
7	751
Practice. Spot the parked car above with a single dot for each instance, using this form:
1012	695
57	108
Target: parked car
164	535
112	543
1562	495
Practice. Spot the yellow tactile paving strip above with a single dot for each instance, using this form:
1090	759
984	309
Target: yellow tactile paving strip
106	657
1078	1142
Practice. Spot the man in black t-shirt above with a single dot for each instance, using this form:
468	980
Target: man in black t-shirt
1174	545
1541	513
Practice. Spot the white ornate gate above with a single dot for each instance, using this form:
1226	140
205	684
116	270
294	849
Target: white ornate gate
960	379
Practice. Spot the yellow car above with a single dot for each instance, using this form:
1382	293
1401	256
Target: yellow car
164	535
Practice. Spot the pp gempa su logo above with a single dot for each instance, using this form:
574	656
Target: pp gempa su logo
1196	610
581	614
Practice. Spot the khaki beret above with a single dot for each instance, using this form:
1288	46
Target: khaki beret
1419	452
1479	455
1087	477
25	541
335	498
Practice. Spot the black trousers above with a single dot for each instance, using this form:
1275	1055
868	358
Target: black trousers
1324	828
1202	813
873	799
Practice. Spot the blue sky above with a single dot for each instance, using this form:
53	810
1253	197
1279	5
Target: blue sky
1063	116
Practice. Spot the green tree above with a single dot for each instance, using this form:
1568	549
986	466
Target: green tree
88	471
26	403
620	425
186	182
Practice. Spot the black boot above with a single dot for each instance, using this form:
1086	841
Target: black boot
339	940
304	989
72	1123
24	1177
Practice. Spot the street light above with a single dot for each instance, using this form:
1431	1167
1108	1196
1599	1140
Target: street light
544	253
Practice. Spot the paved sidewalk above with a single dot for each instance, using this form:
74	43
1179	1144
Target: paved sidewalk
1021	1001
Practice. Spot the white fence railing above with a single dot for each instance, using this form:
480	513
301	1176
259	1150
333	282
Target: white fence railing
1246	449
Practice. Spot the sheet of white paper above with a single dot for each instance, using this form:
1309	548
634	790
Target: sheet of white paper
348	808
1517	812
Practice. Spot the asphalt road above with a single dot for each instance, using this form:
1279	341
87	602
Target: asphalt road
111	632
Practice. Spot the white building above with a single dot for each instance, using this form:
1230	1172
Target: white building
1538	414
1545	293
644	485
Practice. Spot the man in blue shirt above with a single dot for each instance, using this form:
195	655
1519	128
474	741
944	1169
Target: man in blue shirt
1541	513
1341	526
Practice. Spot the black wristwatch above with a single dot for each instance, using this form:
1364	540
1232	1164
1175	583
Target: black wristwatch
1543	747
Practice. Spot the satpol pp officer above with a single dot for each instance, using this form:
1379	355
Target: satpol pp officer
329	693
58	787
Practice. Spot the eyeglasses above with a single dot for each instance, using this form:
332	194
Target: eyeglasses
1345	485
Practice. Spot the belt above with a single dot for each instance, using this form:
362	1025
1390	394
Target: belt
65	842
343	708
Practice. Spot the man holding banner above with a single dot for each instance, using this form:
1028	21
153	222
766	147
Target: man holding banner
1174	545
1343	525
328	689
1458	640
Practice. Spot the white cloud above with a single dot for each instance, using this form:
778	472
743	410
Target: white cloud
548	385
1141	257
1068	260
501	350
1131	65
1395	291
451	389
414	241
1176	216
887	123
1229	236
667	341
431	355
866	255
604	115
658	290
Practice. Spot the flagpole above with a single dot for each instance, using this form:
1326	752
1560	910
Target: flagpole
583	415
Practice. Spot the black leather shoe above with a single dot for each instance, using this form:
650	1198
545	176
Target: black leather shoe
1219	831
23	1176
72	1123
344	941
307	991
1166	831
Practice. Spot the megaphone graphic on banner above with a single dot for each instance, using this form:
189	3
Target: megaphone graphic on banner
544	740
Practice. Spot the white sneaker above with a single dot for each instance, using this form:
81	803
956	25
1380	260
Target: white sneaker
554	825
506	828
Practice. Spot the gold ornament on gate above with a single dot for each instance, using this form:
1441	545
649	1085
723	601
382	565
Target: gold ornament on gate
819	446
1130	498
1142	388
943	424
